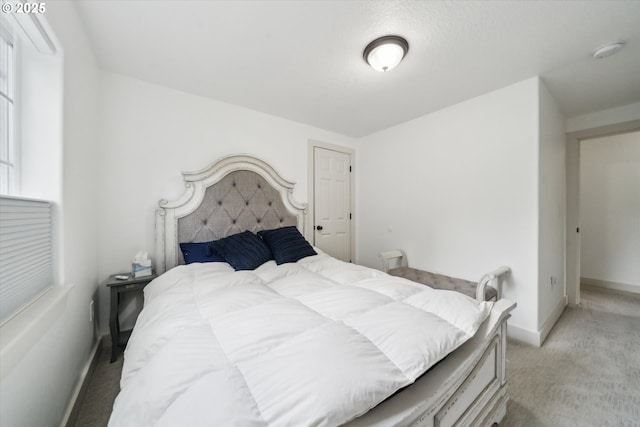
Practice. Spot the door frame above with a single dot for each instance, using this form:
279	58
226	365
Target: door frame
572	219
311	236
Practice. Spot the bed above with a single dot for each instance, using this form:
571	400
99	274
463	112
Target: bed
301	338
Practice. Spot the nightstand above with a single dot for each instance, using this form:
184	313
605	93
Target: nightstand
119	338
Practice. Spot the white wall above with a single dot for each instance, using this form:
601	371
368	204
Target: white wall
40	94
458	189
150	134
40	101
551	211
611	116
610	209
38	389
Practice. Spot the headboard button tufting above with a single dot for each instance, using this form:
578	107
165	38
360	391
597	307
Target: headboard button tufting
224	199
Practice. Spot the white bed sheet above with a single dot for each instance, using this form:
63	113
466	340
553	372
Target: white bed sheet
318	342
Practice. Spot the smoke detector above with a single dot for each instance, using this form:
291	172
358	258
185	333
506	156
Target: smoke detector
607	50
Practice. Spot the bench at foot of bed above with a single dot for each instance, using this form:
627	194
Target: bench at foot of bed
486	289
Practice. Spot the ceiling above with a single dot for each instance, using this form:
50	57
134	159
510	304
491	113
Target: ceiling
302	60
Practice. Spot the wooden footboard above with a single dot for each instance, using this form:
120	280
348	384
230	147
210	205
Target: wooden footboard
467	388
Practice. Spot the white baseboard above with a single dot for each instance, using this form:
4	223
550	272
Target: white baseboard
536	338
82	382
617	286
553	318
522	335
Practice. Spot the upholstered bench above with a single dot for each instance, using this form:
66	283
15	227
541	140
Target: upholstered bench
396	264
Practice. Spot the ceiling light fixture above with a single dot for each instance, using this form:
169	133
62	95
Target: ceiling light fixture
385	53
607	50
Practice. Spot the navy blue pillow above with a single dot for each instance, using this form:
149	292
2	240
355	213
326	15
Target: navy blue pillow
244	251
286	244
199	252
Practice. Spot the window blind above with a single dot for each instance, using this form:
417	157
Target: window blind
26	252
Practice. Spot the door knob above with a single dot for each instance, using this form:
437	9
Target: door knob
319	227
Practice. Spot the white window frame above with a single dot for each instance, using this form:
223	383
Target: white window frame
11	160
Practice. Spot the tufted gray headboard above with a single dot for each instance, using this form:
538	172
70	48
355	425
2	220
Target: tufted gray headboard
234	194
242	200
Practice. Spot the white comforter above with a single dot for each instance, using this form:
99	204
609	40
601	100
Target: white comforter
315	343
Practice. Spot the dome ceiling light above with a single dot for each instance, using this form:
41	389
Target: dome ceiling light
385	53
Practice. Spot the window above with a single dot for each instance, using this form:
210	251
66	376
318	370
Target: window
7	142
29	163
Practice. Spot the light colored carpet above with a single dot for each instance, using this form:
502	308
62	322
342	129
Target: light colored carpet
587	373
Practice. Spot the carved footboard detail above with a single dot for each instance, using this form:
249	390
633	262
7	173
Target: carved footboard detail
481	398
466	389
483	382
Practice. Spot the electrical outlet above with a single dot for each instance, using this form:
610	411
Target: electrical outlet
553	280
91	311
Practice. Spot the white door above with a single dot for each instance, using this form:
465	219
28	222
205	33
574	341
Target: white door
332	202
